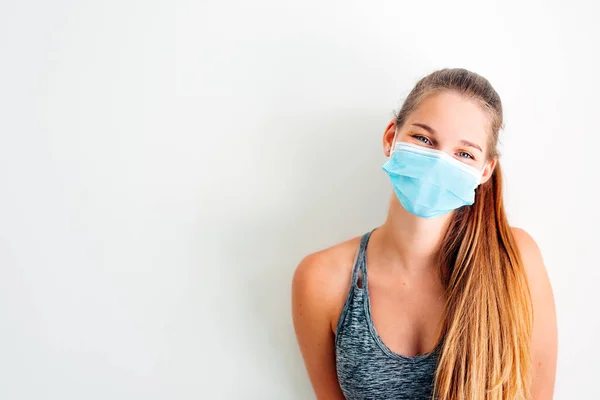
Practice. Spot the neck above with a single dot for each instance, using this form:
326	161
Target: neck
413	242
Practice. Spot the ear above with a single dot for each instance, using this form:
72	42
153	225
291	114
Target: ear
488	170
388	137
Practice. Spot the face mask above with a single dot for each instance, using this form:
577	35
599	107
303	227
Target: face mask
428	182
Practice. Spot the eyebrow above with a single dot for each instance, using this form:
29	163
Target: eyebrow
433	132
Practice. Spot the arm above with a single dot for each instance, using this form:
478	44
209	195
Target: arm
312	308
544	336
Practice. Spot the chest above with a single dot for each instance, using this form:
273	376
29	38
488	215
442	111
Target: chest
368	369
406	313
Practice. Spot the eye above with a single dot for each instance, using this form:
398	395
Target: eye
422	139
464	154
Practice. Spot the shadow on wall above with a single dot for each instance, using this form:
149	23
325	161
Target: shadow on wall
326	174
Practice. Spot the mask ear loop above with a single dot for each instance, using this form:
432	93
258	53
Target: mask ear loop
393	148
481	173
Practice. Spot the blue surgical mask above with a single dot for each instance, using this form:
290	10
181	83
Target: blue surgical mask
429	182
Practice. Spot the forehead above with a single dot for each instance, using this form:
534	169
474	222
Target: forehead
454	117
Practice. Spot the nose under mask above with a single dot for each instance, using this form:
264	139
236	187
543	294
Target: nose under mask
428	182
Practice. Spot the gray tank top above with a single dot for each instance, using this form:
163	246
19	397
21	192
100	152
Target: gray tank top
366	367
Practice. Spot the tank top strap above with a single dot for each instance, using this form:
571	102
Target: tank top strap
358	271
360	264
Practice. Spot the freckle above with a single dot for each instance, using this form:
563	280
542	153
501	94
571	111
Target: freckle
403	283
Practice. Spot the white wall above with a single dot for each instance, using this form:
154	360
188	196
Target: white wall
164	166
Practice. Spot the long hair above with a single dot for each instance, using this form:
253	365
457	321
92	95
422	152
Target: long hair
488	317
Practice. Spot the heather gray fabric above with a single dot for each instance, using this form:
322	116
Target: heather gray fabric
366	367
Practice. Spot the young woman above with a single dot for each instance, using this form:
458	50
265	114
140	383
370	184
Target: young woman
444	300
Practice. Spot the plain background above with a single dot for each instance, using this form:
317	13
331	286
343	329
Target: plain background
164	166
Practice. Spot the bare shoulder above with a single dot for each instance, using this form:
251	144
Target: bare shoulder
530	254
544	336
319	289
328	268
537	276
321	281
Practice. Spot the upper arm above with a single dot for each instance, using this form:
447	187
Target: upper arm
544	336
312	308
